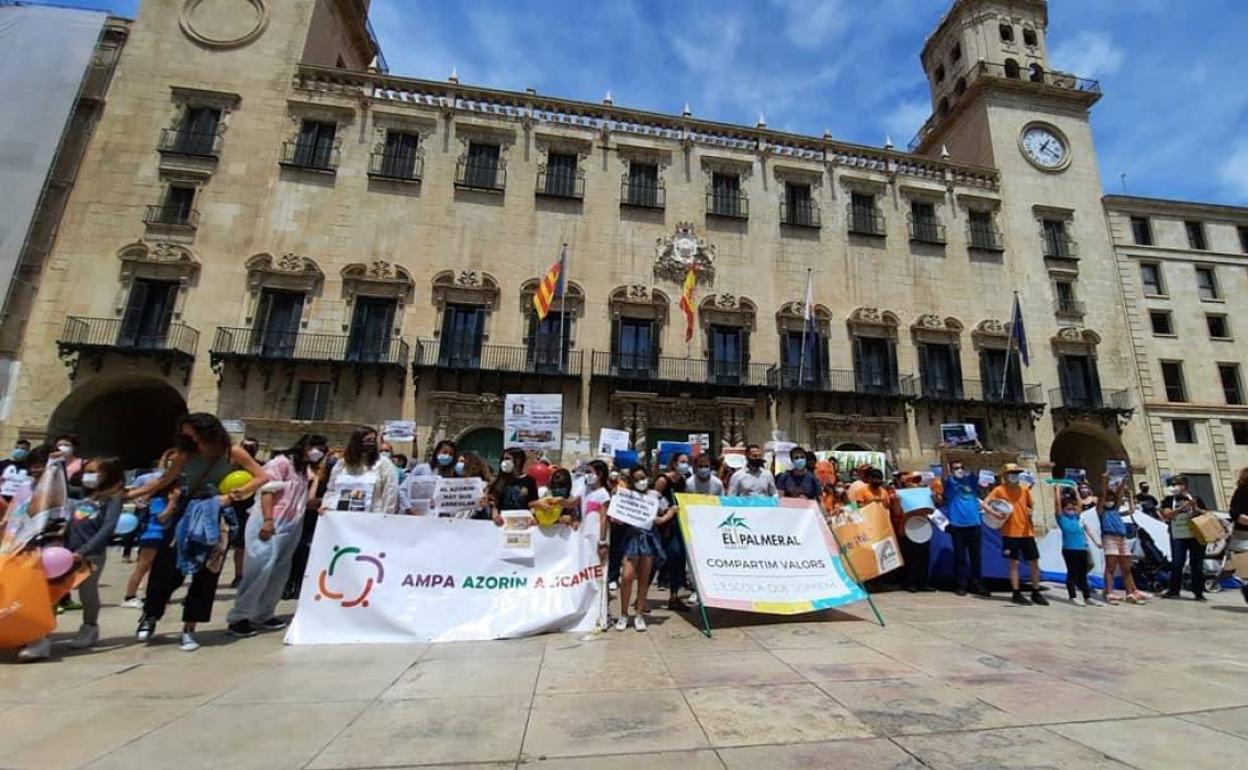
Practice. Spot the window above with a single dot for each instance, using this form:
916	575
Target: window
149	310
1172	375
636	347
1196	235
1229	374
1150	276
1184	433
1243	238
875	365
799	207
1219	329
993	371
956	53
276	330
863	217
923	224
959	88
1029	36
1080	380
1142	231
726	365
371	330
548	343
463	331
1201	485
178	208
726	195
1162	324
940	74
1037	73
315	146
1206	283
1007	33
1011	69
313	403
481	169
1239	431
561	178
643	185
1067	302
803	367
940	371
1056	243
197	132
983	235
398	159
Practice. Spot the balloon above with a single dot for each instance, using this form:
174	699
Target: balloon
233	480
547	516
56	561
126	524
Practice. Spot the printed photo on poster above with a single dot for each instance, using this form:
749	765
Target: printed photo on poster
354	494
958	434
533	421
611	440
399	430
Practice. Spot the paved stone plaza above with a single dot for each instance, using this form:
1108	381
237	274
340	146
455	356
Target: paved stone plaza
949	683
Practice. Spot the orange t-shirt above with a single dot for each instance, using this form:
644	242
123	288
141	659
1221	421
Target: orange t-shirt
864	496
1019	523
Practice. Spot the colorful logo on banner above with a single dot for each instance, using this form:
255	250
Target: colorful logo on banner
360	600
733	522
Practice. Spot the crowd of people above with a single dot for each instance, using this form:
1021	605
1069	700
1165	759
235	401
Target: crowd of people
188	524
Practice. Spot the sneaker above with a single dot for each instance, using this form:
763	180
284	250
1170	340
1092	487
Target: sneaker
70	606
133	603
1170	595
1092	601
1078	602
35	651
959	591
1020	600
693	597
146	628
189	642
981	591
87	637
272	624
1037	598
639	623
613	586
1112	599
621	623
243	629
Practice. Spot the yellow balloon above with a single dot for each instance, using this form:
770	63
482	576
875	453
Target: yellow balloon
547	516
234	480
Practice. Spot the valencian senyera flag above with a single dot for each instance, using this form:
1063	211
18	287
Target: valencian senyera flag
686	301
551	285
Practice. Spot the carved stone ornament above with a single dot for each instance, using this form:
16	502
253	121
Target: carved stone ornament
290	272
872	316
638	301
159	261
639	292
469	287
728	310
378	278
1074	336
223	24
991	327
675	254
726	301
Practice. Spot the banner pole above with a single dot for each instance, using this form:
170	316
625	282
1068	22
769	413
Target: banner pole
849	563
706	621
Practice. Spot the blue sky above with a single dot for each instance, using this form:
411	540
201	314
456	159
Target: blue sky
1174	118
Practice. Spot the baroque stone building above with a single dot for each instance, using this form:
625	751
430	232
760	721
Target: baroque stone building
269	226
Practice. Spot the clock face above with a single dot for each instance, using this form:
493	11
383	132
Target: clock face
1045	148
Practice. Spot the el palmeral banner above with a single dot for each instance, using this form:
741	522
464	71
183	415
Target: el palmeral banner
375	578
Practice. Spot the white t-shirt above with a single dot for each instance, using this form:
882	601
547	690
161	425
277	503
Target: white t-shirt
709	486
745	483
594	502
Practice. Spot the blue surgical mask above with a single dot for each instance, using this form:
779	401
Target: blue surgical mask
799	463
683	468
703	472
459	468
560	492
19	455
445	460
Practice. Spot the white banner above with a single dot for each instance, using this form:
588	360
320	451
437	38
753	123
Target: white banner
376	578
629	507
452	497
764	555
533	421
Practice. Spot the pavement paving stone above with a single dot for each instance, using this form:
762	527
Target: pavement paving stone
1029	748
772	714
624	722
864	754
1162	743
1233	721
910	706
457	677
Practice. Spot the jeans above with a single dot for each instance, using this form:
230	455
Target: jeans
967	545
1189	550
676	568
916	557
1076	572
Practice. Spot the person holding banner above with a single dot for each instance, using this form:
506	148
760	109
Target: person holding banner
676	569
1179	508
363	481
798	481
319	467
753	480
512	490
1075	538
642	549
1018	534
597	499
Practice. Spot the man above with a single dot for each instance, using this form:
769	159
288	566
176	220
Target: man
1146	501
872	490
13	474
961	501
752	480
1018	534
917	556
1179	508
798	481
704	480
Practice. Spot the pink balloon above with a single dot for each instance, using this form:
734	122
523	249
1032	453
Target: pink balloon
57	561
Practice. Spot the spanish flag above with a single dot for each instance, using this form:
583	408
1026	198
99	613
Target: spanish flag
551	285
686	301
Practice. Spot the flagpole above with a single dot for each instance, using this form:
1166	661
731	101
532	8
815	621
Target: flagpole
1009	346
561	286
807	312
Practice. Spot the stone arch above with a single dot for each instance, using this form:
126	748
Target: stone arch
124	415
791	317
728	310
485	441
1085	445
1012	69
1037	73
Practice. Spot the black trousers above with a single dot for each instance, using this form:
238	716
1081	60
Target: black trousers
967	547
615	556
1189	550
165	578
916	557
1076	572
299	562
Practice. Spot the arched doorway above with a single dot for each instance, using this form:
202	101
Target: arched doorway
485	442
1086	448
130	417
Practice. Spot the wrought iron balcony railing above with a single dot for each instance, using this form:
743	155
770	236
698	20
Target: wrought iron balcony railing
926	231
819	379
1059	246
984	238
396	166
490	176
263	345
646	368
726	204
171	216
310	156
1068	307
1078	398
650	196
864	221
800	214
179	141
517	359
979	391
115	334
558	184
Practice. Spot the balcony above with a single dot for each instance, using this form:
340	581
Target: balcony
926	231
501	359
1059	246
979	392
844	381
160	215
242	344
560	184
94	337
864	221
730	205
649	196
310	156
800	214
671	374
1068	308
178	141
480	176
1110	407
396	166
984	238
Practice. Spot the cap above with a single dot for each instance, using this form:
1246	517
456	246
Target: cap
1012	468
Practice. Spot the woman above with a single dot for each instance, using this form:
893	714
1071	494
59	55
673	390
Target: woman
319	466
642	548
150	534
241	511
203	458
1239	523
363	481
560	496
1179	508
1114	543
670	484
513	490
270	542
442	463
594	506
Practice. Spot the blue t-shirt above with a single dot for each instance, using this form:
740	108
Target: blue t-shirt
1073	537
1112	523
962	501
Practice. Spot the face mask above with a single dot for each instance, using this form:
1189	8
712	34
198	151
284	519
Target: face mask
703	473
370	443
385	455
560	492
614	476
19	454
592	481
66	450
445	460
799	463
642	485
682	468
90	480
840	491
959	473
506	466
315	455
1011	478
756	462
459	469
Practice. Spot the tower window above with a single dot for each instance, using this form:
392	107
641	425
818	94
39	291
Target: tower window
1219	329
944	106
1142	231
940	74
1196	235
1207	283
1150	276
1184	433
1029	36
1230	384
1007	33
959	88
1011	69
1243	238
1172	375
956	54
1239	431
1037	73
1163	326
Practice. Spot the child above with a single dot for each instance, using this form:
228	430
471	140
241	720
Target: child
1018	534
642	548
1074	548
1114	542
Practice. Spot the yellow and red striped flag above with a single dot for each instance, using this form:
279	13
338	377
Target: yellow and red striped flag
551	285
686	301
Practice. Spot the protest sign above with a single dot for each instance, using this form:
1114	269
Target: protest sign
626	459
352	493
867	536
629	507
399	579
701	442
1116	471
765	555
734	458
452	497
399	430
533	421
518	531
847	461
958	434
1076	475
235	427
987	478
611	441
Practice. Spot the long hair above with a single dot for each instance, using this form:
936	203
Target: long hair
1243	477
517	457
600	469
112	473
209	430
443	444
476	467
297	453
353	456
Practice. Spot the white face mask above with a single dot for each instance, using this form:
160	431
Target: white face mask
65	449
315	455
90	480
506	466
642	485
959	473
385	455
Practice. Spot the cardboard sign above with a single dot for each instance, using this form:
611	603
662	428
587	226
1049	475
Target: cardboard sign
611	440
987	478
629	507
533	421
701	442
1116	471
456	496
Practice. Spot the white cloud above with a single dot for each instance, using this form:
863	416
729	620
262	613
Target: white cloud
1088	55
1233	173
903	121
812	23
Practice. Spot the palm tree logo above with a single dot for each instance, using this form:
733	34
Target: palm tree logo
733	522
